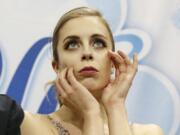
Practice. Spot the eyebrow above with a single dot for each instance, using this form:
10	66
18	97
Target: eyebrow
99	35
76	37
71	37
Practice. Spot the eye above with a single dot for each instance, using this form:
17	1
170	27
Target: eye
72	44
99	43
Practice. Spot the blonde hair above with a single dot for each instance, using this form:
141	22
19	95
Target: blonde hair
75	13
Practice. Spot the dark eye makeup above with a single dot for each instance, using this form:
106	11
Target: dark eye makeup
71	44
99	43
95	42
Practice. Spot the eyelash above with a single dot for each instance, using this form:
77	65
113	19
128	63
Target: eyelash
101	41
67	44
73	41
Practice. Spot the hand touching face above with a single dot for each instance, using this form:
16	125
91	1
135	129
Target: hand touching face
83	44
75	95
116	91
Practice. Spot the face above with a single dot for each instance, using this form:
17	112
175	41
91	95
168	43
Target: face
83	44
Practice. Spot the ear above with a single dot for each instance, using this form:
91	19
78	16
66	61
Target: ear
55	66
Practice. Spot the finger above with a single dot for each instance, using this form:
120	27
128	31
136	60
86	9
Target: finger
71	78
135	62
59	89
118	62
123	68
125	57
117	72
64	83
115	57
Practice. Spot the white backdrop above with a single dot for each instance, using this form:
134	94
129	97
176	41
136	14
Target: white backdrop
151	28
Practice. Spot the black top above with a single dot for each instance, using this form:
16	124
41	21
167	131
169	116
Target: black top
11	116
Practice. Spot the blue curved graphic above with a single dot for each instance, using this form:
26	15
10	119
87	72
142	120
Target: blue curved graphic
49	102
133	39
19	81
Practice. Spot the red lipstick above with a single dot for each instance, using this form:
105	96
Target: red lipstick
88	71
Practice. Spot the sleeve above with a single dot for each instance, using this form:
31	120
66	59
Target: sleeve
11	116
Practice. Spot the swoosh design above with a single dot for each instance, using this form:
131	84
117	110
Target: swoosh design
49	102
19	81
133	39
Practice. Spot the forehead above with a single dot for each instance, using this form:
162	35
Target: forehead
84	26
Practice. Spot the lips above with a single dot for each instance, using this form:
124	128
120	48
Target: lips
88	71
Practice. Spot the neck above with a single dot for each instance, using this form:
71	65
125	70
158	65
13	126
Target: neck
68	115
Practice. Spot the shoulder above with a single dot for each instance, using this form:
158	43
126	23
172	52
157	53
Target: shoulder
28	123
146	129
29	118
34	124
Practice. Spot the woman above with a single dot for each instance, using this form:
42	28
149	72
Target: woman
92	102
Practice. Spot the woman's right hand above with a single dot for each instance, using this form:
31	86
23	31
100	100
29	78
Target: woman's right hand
74	95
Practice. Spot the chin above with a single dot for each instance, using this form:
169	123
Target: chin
94	85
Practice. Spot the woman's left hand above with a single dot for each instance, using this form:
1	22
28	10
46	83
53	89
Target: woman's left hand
116	91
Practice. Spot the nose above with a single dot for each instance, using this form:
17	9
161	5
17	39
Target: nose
87	57
87	53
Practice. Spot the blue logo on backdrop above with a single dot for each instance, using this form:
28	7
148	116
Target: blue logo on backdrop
17	88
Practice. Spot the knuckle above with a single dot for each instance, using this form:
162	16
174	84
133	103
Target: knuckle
76	86
64	96
70	92
128	77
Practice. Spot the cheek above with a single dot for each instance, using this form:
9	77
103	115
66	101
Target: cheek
67	60
106	62
105	67
106	71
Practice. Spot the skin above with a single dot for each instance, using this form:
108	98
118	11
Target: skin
90	101
86	43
